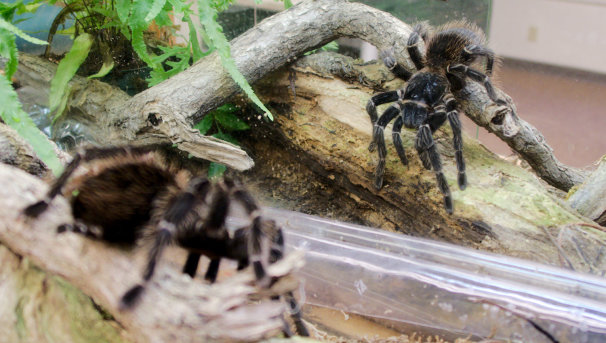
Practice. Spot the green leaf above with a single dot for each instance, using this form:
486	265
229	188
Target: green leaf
15	30
208	16
230	121
193	39
226	137
123	9
205	124
216	170
13	115
287	4
67	69
8	50
156	7
141	49
105	69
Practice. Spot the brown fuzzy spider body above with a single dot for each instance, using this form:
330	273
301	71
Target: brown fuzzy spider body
429	98
126	194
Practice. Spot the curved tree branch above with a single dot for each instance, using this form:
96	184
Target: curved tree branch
165	113
279	39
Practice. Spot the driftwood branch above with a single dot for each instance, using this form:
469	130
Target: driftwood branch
165	113
590	197
174	307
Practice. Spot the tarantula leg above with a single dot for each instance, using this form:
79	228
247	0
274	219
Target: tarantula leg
164	237
180	206
455	124
426	143
397	139
478	50
37	208
419	31
295	315
256	234
390	62
212	270
371	108
476	76
379	140
83	229
191	264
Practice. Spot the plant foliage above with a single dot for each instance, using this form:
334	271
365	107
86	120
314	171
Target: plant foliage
13	115
220	123
208	18
11	111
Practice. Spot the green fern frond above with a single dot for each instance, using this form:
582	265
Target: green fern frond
13	115
66	70
208	18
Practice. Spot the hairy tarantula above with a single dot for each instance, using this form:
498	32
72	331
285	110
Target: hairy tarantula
428	99
121	194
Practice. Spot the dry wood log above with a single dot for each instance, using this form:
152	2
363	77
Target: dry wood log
589	198
174	308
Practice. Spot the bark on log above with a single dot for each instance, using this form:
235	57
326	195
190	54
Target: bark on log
590	197
173	308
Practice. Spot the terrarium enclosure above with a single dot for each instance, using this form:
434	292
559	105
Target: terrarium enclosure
520	258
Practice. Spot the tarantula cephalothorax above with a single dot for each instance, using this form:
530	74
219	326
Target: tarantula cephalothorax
123	194
428	99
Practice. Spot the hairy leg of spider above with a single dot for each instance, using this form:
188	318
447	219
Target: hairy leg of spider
425	142
478	50
479	77
390	62
214	227
379	140
276	253
163	239
37	208
181	205
212	270
191	265
256	234
81	228
434	120
455	124
397	139
412	47
371	108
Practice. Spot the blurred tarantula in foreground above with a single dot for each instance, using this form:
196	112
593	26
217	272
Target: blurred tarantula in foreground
123	194
428	99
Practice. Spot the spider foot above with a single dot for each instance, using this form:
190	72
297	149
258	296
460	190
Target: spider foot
462	181
448	203
378	182
34	210
388	58
130	298
372	146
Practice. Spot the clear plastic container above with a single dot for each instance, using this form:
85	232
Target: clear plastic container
441	288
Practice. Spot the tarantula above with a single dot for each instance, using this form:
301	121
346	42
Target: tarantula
428	99
123	194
